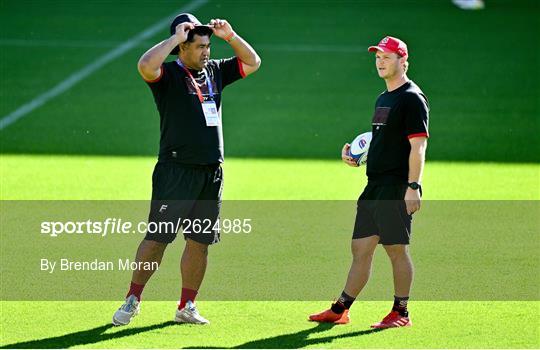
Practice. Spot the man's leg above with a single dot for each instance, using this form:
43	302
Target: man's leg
403	276
195	256
192	268
359	273
362	251
149	251
402	268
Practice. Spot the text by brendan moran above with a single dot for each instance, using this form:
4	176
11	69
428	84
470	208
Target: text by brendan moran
64	264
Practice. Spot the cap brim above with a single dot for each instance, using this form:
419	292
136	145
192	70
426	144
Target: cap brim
379	48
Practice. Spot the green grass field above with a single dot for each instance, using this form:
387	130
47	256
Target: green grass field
274	325
42	177
477	279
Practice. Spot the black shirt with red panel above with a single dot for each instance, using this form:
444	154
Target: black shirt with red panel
400	115
185	137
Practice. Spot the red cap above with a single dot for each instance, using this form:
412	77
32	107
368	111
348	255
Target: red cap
391	44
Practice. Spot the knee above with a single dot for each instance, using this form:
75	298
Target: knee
362	256
397	252
197	247
154	246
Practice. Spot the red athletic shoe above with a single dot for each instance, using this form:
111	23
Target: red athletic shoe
393	319
330	316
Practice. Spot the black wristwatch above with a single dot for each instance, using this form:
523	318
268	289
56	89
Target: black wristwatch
415	186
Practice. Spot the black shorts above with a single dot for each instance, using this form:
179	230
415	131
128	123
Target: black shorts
187	196
381	211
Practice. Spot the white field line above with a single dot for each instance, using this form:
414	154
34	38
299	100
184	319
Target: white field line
76	77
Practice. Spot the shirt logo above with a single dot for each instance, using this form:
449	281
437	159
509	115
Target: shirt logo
201	82
380	117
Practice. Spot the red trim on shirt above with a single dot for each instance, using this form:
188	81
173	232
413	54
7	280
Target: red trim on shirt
240	68
420	134
158	78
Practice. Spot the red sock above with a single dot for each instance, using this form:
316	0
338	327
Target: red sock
187	294
135	289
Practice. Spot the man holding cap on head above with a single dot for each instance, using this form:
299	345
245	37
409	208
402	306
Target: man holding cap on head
394	169
187	179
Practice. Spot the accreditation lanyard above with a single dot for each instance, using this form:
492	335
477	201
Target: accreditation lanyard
208	83
209	108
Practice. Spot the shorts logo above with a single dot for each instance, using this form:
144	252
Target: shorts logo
163	208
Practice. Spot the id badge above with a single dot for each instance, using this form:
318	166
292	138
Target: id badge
210	113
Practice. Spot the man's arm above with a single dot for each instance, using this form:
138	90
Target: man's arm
417	158
246	54
149	65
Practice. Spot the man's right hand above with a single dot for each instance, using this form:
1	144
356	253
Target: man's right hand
182	31
346	157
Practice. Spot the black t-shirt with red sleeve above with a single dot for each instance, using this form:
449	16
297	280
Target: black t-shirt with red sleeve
185	137
399	115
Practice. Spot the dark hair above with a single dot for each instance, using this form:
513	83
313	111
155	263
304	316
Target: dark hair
201	31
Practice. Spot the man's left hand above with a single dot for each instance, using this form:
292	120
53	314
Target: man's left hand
412	200
222	29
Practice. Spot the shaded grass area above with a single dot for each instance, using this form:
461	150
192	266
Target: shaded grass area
316	88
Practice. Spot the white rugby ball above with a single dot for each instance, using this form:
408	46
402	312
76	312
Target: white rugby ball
359	148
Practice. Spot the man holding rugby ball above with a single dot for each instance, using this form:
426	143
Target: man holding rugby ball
393	193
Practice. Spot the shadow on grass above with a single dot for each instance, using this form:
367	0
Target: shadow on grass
89	336
298	339
95	335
